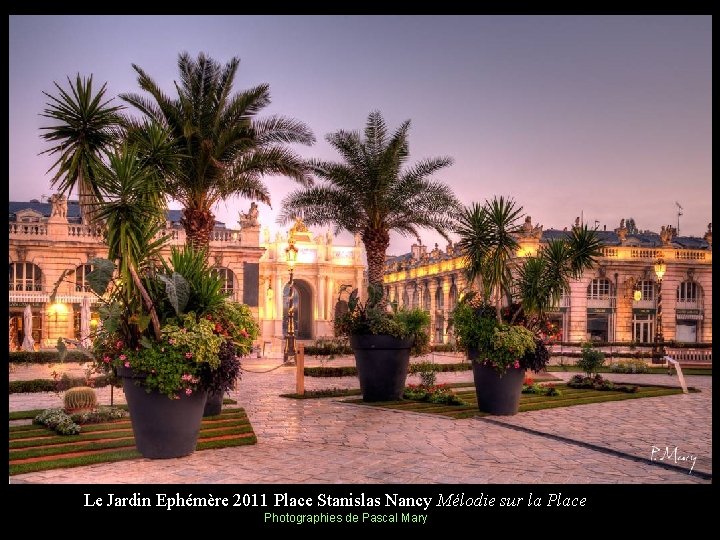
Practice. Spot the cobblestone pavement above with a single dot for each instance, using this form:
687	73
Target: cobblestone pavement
328	441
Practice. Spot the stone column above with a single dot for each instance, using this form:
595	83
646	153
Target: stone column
446	306
321	298
432	287
278	296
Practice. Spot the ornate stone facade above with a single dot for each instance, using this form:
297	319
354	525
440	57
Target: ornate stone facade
48	239
601	305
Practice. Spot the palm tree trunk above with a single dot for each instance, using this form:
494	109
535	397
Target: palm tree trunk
148	302
199	224
376	244
86	198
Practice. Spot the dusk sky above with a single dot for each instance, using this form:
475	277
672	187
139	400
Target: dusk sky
610	116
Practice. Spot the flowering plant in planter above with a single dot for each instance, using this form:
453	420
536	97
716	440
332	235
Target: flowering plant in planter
506	319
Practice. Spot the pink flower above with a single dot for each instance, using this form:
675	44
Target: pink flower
243	332
123	357
517	364
188	391
106	359
188	355
127	364
171	341
118	344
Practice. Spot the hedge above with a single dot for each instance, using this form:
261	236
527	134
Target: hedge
46	357
631	344
51	385
351	371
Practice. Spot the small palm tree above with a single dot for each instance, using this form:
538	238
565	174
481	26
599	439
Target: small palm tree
224	149
371	194
486	238
85	129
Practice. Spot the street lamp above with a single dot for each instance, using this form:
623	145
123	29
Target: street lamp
659	346
291	257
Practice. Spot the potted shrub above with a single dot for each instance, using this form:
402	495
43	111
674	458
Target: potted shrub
382	339
369	194
503	326
155	332
234	322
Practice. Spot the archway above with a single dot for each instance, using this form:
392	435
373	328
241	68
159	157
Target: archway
302	300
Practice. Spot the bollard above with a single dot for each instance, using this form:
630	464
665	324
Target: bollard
300	373
678	369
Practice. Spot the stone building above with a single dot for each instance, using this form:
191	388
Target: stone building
48	240
321	271
617	301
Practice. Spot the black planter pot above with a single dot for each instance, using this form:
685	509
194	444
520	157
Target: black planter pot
497	394
213	405
382	365
163	427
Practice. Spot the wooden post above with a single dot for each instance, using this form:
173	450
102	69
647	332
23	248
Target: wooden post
300	373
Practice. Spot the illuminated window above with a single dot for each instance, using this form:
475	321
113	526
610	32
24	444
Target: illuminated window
25	277
81	283
599	288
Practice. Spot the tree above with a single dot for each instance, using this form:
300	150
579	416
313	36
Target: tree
370	193
487	241
85	130
631	227
224	149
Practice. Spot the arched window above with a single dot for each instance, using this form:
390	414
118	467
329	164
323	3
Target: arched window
453	296
439	298
25	276
81	283
415	298
599	288
426	298
228	278
687	291
405	298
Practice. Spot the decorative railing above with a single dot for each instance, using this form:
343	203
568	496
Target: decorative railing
700	356
86	231
28	229
29	297
690	255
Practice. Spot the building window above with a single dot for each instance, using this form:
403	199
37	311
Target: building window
599	288
415	299
426	298
81	282
452	298
228	278
687	291
439	299
405	299
647	288
25	277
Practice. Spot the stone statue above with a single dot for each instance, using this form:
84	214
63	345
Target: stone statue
577	221
58	204
667	233
622	231
528	231
250	219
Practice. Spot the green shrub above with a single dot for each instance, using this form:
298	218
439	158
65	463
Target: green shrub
426	371
443	347
591	360
342	371
328	347
439	394
50	385
101	414
58	420
630	366
47	357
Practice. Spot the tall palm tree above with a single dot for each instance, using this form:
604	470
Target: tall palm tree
486	238
370	192
224	149
84	131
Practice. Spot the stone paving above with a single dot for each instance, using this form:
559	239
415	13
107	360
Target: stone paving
328	441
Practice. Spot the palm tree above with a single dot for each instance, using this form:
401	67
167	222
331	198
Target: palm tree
86	128
370	193
224	149
486	238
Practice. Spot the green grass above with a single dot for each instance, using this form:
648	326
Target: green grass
110	441
651	370
344	392
528	402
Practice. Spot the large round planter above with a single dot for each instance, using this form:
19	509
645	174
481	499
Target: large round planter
497	394
163	427
382	365
213	405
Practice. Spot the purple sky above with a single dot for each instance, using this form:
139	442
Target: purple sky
608	116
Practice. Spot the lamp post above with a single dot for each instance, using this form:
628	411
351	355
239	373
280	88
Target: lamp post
291	256
659	347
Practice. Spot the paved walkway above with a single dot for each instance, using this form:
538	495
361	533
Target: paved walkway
327	441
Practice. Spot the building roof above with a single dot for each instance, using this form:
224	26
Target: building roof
73	211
